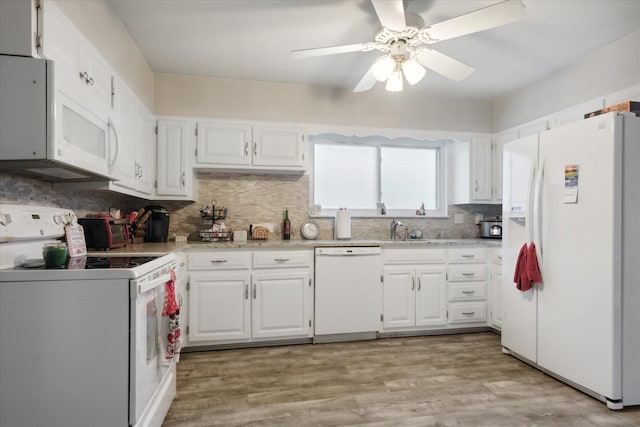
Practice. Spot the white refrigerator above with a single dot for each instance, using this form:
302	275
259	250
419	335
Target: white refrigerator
574	191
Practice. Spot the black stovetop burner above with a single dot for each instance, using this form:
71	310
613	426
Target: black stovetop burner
117	262
91	262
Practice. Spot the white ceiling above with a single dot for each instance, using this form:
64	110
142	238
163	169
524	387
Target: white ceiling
251	39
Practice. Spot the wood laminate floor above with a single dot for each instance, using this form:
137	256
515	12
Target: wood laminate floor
446	380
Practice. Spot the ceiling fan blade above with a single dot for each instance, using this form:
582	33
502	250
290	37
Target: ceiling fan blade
367	81
390	13
443	64
332	50
483	19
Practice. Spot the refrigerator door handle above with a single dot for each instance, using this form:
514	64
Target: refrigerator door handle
528	220
537	214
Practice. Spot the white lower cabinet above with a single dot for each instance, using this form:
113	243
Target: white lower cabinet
281	304
467	287
219	306
414	296
495	293
232	301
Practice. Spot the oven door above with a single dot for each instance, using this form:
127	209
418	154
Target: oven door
148	369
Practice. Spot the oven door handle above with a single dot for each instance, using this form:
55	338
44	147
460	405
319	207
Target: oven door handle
142	288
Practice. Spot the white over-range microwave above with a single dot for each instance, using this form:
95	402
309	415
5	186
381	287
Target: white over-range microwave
44	133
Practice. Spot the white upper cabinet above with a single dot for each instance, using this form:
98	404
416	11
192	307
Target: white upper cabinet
226	144
278	147
20	28
474	171
134	166
481	169
146	152
126	122
242	146
80	72
174	177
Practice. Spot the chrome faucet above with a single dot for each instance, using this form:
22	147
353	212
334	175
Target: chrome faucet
394	225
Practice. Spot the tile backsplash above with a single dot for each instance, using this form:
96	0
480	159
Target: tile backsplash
27	191
262	198
249	198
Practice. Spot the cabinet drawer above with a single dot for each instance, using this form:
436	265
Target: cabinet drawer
462	291
466	273
467	312
467	255
413	256
214	260
282	259
496	256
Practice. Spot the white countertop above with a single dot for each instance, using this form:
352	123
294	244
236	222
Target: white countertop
163	248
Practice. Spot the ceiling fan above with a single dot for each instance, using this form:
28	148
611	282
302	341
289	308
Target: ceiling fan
404	42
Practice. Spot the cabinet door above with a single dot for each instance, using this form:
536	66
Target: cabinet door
97	79
277	147
281	305
80	72
398	297
431	297
497	170
172	158
126	125
481	176
223	144
496	296
146	152
60	46
219	306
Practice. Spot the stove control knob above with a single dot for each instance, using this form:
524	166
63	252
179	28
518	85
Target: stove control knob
5	219
57	219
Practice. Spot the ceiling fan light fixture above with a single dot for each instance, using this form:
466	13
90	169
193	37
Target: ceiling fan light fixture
394	83
413	71
383	67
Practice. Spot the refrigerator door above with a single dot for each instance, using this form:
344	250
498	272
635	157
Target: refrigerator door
519	325
579	301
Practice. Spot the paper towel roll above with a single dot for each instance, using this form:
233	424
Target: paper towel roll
343	224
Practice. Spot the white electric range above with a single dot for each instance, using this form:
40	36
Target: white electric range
79	344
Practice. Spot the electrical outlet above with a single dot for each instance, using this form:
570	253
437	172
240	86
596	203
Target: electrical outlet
458	218
479	217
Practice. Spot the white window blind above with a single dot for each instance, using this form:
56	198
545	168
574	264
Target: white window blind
359	172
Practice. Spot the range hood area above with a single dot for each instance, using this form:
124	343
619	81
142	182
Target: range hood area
44	139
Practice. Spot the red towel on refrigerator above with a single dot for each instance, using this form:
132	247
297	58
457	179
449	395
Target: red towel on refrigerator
520	277
527	272
170	327
533	271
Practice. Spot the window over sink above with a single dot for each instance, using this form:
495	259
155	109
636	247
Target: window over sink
360	172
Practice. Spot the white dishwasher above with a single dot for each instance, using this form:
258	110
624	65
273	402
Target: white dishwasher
348	302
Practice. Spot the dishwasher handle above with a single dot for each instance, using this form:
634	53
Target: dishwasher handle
349	251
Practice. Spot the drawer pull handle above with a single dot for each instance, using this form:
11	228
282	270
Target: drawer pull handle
419	284
281	259
254	291
469	313
468	274
218	261
246	291
500	257
413	283
468	292
468	256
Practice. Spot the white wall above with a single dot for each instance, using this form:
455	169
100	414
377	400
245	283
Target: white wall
242	99
607	70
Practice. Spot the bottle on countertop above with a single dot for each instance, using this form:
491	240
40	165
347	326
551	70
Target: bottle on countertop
286	226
